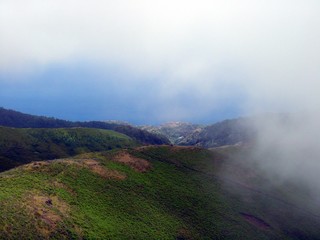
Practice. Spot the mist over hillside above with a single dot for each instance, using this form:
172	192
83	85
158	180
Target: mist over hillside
233	86
284	147
227	132
257	179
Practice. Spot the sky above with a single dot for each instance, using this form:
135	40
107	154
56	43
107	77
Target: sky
147	62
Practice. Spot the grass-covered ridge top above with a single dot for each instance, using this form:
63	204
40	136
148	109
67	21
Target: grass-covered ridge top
23	145
71	199
104	195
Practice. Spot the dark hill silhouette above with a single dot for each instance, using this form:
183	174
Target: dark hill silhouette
11	118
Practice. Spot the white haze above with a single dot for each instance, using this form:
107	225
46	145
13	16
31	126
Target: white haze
288	147
268	50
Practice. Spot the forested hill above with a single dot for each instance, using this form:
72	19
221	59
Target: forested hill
11	118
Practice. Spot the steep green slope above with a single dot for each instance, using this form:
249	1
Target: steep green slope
23	145
144	193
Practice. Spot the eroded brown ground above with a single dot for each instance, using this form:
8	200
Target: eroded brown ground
93	165
138	164
50	210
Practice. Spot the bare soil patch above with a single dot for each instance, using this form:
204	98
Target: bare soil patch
49	210
36	165
93	165
138	164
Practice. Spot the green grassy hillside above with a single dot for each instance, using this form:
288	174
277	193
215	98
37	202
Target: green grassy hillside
19	146
144	193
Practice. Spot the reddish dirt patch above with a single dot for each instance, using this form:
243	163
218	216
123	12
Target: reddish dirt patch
50	210
57	184
95	167
35	165
258	222
138	164
91	164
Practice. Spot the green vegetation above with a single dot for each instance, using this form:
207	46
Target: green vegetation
154	192
19	146
161	192
85	182
11	118
166	202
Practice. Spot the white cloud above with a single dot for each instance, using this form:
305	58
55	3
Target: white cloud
271	46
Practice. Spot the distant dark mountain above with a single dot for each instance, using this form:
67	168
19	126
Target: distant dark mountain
227	132
11	118
241	130
176	132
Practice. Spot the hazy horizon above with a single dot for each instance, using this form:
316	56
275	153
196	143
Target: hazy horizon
151	62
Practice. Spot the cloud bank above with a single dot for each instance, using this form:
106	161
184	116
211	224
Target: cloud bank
264	54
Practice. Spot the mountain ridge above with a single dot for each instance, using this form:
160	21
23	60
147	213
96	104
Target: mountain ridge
226	132
174	131
12	118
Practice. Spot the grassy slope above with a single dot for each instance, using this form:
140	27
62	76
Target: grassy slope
180	197
18	146
287	205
